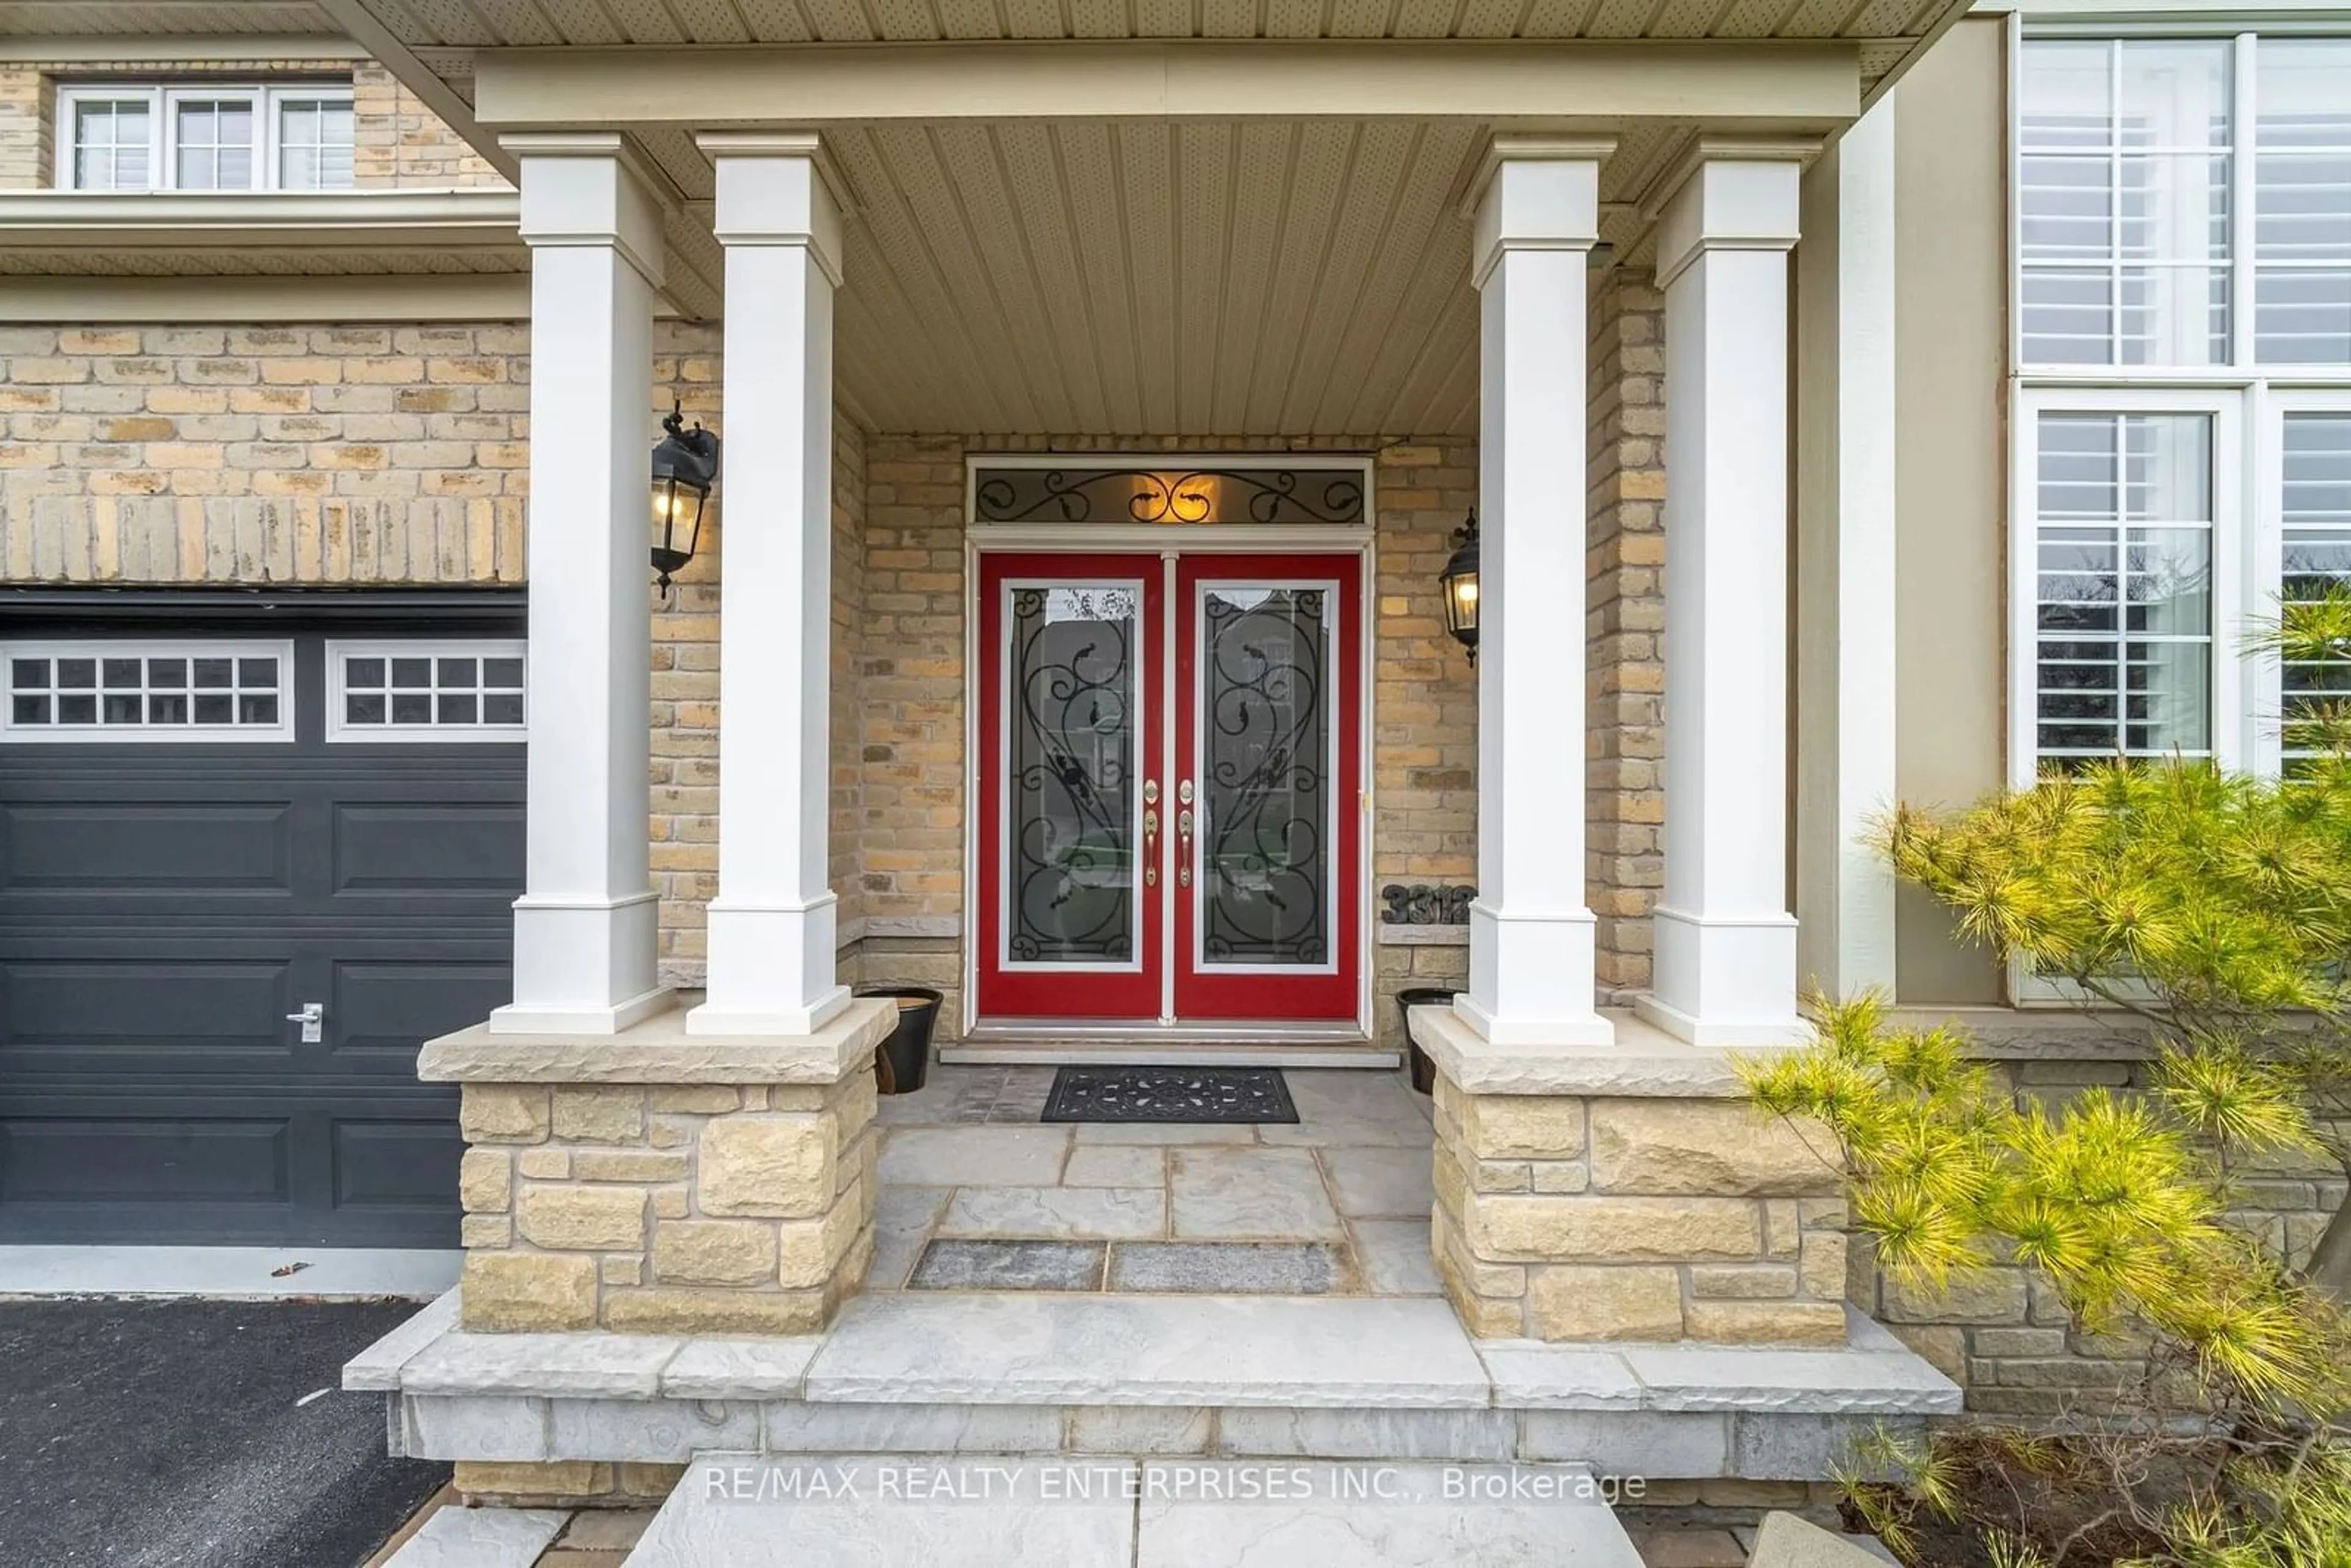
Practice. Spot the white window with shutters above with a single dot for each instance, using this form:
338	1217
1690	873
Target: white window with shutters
2182	431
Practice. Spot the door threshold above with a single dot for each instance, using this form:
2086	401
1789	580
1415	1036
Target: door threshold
1114	1052
1128	1043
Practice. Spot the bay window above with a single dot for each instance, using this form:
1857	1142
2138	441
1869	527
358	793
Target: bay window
124	136
2182	430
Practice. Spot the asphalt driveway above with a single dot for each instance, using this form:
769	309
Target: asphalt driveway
173	1434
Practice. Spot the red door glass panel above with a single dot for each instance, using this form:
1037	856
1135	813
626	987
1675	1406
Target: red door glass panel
1071	725
1267	791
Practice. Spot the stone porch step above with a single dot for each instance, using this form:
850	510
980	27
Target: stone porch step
1228	1377
750	1510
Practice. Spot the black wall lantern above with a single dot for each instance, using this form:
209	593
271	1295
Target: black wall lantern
685	465
1459	580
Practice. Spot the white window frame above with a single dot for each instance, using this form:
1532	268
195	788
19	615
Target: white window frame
2231	544
2247	401
339	731
144	734
266	102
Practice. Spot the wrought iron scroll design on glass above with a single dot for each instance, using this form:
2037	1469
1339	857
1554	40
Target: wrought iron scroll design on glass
1266	723
1071	848
1224	495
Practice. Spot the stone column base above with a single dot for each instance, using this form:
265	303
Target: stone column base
1626	1192
654	1182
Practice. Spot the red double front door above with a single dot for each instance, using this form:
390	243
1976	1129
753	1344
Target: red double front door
1170	777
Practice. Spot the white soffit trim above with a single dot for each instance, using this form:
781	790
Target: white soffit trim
260	220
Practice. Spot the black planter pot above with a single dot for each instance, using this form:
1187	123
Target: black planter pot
1423	1070
902	1061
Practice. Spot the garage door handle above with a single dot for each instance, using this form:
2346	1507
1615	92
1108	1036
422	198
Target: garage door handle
313	1020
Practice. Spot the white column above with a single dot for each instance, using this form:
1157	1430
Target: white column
1725	943
1531	930
772	924
584	928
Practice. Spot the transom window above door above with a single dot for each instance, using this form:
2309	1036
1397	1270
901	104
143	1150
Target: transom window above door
1116	493
206	137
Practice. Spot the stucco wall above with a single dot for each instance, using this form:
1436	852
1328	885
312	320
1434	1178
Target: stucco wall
1952	512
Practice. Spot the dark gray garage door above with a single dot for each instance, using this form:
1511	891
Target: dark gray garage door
170	894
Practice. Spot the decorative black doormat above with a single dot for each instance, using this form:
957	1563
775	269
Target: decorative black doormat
1204	1094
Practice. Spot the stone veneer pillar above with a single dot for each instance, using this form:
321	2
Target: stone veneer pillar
1626	1194
656	1182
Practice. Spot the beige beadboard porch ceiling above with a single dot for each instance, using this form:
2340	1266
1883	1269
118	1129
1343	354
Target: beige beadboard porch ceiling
1139	278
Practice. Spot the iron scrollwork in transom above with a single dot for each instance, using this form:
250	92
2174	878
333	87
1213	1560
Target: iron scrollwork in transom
1222	495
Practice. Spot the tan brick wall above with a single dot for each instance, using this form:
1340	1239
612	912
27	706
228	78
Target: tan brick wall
263	454
686	371
26	153
846	863
398	142
1424	713
1625	611
402	143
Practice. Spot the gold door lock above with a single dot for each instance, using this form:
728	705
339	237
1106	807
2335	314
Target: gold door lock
1184	843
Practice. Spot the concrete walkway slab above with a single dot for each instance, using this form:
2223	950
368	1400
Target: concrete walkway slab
1216	1515
747	1511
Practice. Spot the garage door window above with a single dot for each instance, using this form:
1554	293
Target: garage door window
60	691
424	690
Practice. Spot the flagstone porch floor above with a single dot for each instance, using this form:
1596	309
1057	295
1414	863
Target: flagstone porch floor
978	1195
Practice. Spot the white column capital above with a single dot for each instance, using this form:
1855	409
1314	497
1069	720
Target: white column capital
1534	194
591	188
773	190
1728	195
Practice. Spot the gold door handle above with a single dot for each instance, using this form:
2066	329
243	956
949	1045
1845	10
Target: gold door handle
1183	844
1150	838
